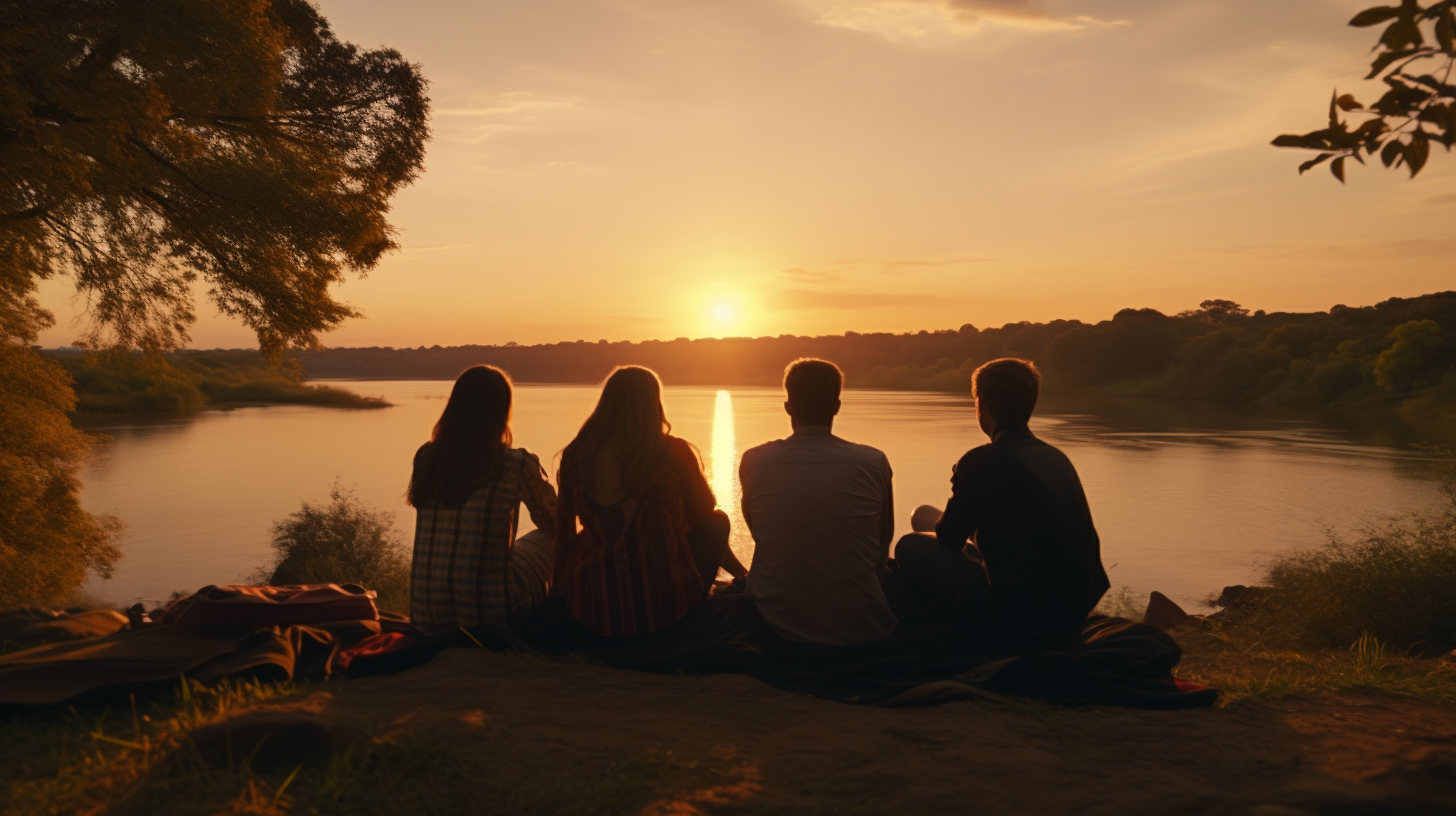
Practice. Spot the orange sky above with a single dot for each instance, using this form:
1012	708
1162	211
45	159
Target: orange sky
631	169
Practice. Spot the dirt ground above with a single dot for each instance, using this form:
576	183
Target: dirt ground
739	746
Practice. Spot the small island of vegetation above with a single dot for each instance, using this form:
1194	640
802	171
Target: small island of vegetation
118	381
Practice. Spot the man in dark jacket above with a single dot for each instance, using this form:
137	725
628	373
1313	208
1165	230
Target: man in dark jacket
1016	550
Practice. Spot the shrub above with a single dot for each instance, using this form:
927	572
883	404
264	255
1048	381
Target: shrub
1396	583
342	542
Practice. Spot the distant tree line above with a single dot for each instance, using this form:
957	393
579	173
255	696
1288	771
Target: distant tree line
1397	354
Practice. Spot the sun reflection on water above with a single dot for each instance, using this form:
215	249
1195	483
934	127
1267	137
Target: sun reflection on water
724	475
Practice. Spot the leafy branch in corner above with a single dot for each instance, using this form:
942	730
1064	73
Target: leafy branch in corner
1414	58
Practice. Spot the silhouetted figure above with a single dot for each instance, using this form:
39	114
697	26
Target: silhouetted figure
1016	549
650	542
822	516
469	568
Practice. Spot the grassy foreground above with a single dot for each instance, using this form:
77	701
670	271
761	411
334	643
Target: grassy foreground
137	758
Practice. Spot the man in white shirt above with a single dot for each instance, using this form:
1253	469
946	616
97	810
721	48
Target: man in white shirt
821	512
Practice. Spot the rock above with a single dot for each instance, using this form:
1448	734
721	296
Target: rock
267	740
1163	613
1240	596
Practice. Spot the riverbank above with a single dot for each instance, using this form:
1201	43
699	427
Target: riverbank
512	733
117	381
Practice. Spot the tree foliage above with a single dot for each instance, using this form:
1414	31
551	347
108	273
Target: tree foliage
1414	59
47	541
149	142
147	147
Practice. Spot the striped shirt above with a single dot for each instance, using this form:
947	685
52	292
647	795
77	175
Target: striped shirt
468	568
622	575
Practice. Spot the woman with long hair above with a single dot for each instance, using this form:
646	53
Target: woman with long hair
650	541
467	487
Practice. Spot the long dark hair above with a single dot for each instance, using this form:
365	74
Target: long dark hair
467	443
629	418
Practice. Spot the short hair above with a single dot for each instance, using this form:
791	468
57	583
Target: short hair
813	386
1007	389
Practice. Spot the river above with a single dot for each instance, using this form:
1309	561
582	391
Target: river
1184	504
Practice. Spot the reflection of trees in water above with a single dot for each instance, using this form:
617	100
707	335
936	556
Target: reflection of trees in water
1094	417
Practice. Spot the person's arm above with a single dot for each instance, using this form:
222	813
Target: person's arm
698	499
887	515
538	494
743	482
566	520
962	514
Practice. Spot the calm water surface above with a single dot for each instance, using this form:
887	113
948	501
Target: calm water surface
1183	506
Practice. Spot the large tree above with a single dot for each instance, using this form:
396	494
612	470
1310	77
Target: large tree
145	144
1414	59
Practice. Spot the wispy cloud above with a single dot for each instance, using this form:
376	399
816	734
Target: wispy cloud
1377	250
508	112
809	299
900	269
944	22
797	275
433	247
893	267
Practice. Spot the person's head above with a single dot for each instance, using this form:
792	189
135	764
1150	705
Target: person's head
1005	391
628	423
467	440
812	387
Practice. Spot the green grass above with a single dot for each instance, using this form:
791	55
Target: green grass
1246	665
85	759
1391	582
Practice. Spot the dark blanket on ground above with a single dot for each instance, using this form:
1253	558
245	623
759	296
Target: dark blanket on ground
250	632
247	631
1112	661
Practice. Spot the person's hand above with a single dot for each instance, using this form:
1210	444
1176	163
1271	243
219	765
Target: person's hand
924	519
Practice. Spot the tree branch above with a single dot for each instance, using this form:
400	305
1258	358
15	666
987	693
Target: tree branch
165	162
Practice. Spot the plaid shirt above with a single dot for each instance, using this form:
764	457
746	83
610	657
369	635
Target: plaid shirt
466	570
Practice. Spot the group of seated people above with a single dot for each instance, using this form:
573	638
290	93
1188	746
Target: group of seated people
631	538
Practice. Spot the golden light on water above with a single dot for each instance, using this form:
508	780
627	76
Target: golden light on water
724	475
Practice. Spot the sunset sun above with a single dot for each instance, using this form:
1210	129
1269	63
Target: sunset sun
723	313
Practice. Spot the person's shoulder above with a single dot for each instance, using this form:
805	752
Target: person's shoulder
422	455
979	453
521	456
766	447
757	453
679	448
682	454
865	453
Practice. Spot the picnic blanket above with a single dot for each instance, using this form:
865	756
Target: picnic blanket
313	632
268	633
1111	661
